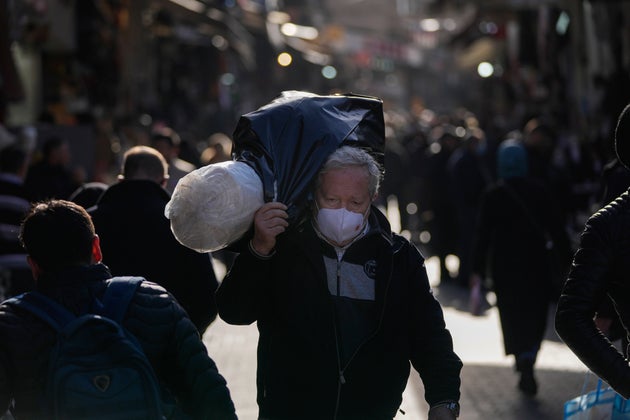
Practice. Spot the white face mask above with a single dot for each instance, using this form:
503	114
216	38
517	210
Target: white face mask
339	225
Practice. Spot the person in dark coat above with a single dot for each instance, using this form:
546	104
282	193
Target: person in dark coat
599	272
615	181
88	194
168	142
65	258
437	200
343	306
15	275
50	177
136	237
469	177
513	231
14	197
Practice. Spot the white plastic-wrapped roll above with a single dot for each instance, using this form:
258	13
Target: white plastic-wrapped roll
213	206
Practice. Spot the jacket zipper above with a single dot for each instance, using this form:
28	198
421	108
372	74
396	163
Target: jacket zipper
342	380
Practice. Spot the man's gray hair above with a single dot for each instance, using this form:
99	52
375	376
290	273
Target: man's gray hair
348	156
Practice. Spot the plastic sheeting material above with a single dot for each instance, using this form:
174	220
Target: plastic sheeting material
213	206
289	139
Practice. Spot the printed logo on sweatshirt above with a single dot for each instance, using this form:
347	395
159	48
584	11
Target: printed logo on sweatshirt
370	269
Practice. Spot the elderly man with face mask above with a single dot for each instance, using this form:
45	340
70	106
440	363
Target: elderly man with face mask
342	304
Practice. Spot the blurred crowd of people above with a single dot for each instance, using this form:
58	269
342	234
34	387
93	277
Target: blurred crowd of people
127	197
437	164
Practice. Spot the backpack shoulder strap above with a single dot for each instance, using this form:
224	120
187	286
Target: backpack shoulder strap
118	295
48	310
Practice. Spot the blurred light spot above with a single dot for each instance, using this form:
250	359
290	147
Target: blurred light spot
449	24
285	59
329	72
562	25
430	25
435	147
219	42
288	29
485	69
227	79
489	28
146	120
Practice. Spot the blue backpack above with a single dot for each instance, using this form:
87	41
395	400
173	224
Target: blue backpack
97	370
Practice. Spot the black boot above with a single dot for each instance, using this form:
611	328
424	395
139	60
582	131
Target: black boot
527	384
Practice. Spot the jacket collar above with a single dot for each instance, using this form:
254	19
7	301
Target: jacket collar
75	287
134	190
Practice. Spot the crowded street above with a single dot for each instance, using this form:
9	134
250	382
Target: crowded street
366	209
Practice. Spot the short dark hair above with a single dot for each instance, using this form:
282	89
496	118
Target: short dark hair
166	134
58	234
51	144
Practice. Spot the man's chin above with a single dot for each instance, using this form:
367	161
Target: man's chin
341	244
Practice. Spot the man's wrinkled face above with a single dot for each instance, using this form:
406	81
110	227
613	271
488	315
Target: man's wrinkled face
347	188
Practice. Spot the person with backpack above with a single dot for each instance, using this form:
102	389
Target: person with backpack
86	346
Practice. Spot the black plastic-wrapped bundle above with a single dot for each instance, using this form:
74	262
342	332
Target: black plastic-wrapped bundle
278	150
287	141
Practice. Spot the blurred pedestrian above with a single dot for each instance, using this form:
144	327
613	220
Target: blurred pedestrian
168	142
14	198
15	275
136	237
50	176
88	194
439	211
600	271
65	258
219	149
469	178
515	228
342	304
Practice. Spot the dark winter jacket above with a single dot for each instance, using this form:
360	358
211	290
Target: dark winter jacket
600	268
136	239
167	336
302	372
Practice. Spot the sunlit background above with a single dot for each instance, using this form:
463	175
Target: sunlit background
101	73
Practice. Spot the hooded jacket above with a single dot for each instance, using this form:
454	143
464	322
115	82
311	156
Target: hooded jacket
303	370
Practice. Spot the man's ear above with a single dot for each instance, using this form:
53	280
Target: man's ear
35	270
97	255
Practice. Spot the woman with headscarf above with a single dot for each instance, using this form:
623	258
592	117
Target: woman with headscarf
515	228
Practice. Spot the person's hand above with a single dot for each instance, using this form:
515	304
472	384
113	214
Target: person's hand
270	220
441	413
